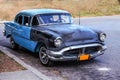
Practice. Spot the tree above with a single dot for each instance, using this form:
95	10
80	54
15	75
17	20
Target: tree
119	1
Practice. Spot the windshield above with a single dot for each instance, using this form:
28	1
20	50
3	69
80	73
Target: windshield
55	18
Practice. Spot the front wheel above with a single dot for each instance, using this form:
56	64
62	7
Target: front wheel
13	44
44	59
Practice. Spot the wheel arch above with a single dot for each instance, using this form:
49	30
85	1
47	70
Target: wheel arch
39	44
9	35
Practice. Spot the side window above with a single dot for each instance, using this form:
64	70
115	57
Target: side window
19	20
35	21
26	21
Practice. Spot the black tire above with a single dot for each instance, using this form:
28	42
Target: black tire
13	44
44	59
92	59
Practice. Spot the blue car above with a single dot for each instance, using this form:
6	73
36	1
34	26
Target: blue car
51	34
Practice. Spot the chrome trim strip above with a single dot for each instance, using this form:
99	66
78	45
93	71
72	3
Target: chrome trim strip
75	47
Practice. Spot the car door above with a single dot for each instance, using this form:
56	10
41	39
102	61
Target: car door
23	33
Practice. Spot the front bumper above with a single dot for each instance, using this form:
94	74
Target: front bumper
59	55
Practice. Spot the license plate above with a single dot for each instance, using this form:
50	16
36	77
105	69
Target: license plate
84	57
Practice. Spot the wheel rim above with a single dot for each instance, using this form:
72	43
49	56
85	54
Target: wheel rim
12	43
43	55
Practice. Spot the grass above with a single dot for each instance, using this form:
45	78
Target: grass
9	8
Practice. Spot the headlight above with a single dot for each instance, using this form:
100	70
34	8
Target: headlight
102	37
58	42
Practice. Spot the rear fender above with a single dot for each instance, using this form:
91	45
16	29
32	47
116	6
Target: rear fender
9	27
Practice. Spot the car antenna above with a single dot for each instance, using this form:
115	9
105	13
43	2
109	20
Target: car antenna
79	18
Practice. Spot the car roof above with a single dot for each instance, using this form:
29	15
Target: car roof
32	12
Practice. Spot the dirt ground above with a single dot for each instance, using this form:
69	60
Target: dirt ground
7	64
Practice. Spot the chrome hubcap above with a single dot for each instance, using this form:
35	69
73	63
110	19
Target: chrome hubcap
43	55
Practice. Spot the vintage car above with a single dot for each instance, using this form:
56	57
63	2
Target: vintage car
51	34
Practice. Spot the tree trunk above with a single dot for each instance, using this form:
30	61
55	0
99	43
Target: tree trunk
119	1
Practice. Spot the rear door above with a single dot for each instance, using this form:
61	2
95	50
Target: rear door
22	33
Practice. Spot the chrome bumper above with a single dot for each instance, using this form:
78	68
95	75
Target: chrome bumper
3	32
58	55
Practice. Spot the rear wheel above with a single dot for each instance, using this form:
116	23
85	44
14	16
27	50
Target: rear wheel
44	59
13	44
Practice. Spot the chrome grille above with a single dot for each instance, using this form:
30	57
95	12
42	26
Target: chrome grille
85	50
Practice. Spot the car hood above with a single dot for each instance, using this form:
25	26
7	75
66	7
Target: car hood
70	32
